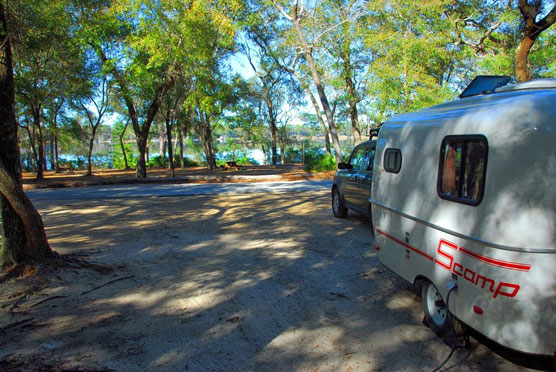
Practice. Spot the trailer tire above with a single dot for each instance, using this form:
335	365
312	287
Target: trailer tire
437	315
338	207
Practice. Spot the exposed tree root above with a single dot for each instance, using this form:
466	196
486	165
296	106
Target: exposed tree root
47	268
109	282
30	278
46	299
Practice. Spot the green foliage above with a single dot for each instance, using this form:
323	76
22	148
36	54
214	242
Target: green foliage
317	161
386	56
48	61
493	55
244	160
72	138
118	160
221	162
117	155
187	162
80	162
413	54
241	158
157	161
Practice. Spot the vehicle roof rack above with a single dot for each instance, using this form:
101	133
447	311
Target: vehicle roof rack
484	84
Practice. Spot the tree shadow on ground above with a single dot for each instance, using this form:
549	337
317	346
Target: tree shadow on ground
258	282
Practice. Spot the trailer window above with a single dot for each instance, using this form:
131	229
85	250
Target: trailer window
392	160
462	169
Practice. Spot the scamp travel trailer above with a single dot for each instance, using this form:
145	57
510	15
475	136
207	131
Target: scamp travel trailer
464	202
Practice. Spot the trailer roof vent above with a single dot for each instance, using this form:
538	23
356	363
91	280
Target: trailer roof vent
484	85
528	85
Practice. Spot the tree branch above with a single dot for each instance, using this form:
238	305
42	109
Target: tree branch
282	10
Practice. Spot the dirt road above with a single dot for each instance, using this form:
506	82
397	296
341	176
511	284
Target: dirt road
255	282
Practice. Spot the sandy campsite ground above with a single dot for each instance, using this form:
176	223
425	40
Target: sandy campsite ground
255	282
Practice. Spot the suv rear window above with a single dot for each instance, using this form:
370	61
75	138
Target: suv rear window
362	158
462	169
357	159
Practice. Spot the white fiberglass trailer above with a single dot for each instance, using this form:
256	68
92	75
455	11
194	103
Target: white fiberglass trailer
464	198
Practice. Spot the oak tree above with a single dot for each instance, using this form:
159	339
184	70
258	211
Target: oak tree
24	238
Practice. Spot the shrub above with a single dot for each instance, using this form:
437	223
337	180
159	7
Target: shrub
102	162
315	162
119	163
187	162
243	160
157	161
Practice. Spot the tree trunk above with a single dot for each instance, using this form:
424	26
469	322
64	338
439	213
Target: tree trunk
43	147
32	146
272	130
52	156
319	117
204	131
180	141
533	28
39	142
354	123
123	147
90	155
209	153
264	153
353	114
57	109
318	84
170	149
347	72
141	139
161	144
56	160
522	72
23	239
209	146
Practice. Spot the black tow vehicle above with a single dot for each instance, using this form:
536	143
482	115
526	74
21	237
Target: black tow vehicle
352	183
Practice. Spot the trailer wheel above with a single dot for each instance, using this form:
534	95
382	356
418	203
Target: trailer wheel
437	316
338	207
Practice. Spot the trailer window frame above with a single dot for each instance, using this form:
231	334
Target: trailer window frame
467	177
392	155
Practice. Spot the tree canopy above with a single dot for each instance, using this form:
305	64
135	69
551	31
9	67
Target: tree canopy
351	63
